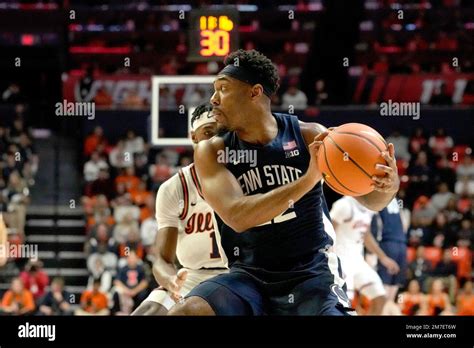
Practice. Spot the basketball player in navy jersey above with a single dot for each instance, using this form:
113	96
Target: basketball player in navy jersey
274	225
388	229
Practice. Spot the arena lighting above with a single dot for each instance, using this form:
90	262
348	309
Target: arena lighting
99	50
27	40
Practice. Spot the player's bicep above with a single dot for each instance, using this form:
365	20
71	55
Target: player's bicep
310	130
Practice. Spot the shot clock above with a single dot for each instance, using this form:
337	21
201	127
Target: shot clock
212	34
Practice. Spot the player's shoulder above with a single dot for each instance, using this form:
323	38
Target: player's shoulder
171	184
309	130
209	147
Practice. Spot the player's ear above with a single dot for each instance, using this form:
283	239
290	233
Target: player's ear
256	91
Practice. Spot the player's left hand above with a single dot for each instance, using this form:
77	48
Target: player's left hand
390	264
388	182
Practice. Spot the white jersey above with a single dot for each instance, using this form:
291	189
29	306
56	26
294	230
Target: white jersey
179	204
353	221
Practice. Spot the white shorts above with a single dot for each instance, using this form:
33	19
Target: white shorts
194	278
359	276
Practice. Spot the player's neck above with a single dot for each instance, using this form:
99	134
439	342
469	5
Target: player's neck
260	129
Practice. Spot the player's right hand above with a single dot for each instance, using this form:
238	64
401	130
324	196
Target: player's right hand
313	168
176	282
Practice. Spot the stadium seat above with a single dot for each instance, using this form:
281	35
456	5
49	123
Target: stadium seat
463	257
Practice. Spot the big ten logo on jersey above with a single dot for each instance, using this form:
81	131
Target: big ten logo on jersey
199	222
291	149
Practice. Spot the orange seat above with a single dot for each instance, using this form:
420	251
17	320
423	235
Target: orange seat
433	254
411	254
463	257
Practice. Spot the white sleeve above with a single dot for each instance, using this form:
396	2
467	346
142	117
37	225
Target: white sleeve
340	211
168	208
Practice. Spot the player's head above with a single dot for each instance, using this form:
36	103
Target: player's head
203	124
243	88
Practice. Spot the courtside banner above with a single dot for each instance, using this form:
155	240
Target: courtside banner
117	86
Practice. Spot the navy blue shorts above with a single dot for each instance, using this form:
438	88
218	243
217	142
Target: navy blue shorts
241	293
398	252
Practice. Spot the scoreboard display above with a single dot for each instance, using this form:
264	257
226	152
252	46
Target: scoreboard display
213	34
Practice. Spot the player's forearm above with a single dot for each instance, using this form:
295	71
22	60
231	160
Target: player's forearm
376	200
372	245
250	211
163	271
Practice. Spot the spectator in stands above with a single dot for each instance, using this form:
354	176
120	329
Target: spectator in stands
18	300
444	172
131	281
446	270
440	143
148	208
418	141
100	211
441	233
94	301
119	158
12	94
321	96
452	214
411	301
440	96
294	99
134	243
17	196
466	168
148	230
57	301
417	43
420	268
93	166
423	212
140	195
103	185
437	301
103	98
93	140
128	178
102	247
401	144
465	300
35	278
160	171
101	274
167	99
441	198
134	143
133	99
420	175
465	235
123	228
11	165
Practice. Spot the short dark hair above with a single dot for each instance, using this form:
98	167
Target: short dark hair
257	63
199	111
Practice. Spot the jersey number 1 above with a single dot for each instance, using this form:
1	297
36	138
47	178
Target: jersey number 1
215	249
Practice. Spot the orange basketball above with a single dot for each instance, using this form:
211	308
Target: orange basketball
348	156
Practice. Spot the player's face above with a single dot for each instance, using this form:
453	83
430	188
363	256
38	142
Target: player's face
206	131
228	102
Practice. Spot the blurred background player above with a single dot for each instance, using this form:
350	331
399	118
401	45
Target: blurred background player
3	242
186	230
351	221
388	228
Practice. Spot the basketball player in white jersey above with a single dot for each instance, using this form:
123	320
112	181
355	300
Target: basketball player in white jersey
351	222
186	231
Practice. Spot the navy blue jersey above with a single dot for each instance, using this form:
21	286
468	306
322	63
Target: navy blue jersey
387	225
290	241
